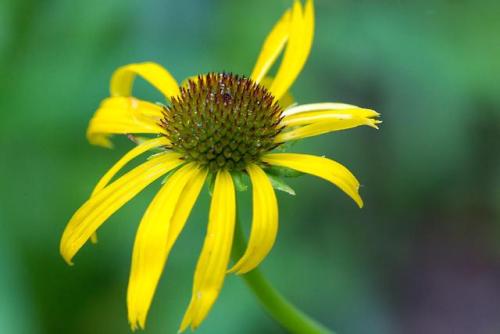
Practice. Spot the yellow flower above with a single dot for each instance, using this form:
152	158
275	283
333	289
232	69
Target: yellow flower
215	125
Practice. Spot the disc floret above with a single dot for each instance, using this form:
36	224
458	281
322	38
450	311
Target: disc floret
222	121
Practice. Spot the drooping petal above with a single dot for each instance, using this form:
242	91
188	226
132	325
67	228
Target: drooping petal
123	79
298	47
133	153
272	47
185	205
151	247
100	207
322	167
214	258
338	110
318	118
322	127
321	106
264	222
325	116
123	115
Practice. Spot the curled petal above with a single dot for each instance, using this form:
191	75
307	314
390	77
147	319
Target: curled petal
214	258
123	79
319	128
151	247
185	205
132	154
93	213
315	119
264	222
327	108
318	166
123	115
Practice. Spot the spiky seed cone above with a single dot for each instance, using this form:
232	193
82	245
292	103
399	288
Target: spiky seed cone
222	120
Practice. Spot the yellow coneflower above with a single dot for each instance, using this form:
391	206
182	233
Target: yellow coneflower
215	125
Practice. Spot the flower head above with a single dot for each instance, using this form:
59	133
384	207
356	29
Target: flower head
216	124
222	121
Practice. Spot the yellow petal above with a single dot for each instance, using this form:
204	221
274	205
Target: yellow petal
285	100
185	205
151	247
214	258
272	47
136	151
325	116
322	167
323	106
298	47
100	207
309	113
123	79
320	118
133	153
123	115
264	223
319	128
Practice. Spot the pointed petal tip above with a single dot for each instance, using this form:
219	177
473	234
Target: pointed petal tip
357	197
372	123
137	324
67	257
359	201
372	112
101	141
195	324
186	320
183	327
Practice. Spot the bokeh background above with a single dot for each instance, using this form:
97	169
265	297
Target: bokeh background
423	256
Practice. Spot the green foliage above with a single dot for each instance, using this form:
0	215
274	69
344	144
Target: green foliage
240	181
279	184
430	175
283	171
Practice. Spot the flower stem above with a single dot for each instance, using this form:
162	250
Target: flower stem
287	315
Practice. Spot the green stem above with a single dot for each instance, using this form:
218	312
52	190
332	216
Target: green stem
291	318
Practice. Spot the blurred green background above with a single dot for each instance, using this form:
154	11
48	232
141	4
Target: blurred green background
423	256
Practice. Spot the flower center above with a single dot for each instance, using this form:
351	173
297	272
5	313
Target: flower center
222	121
